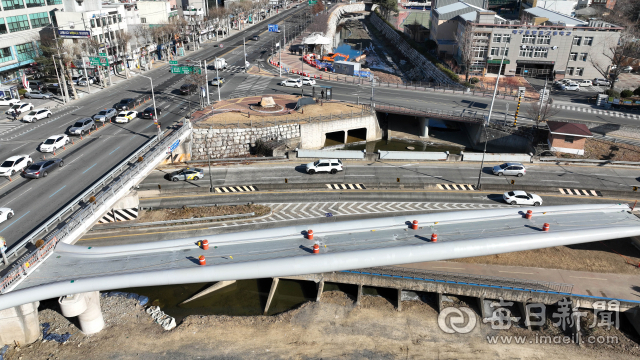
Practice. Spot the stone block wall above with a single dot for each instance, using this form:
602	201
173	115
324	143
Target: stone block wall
228	143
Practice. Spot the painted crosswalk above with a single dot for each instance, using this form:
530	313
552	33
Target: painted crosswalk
580	192
10	125
252	84
597	111
233	69
456	187
232	189
346	186
119	215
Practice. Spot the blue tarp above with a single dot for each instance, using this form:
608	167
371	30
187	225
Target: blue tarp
53	337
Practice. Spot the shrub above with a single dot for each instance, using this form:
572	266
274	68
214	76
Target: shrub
474	80
453	76
22	92
626	93
612	93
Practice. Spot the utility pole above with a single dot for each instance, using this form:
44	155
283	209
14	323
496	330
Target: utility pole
64	99
244	49
486	139
64	80
217	76
206	78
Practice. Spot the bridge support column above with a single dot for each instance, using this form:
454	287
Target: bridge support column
274	285
86	306
320	289
399	303
359	295
424	127
524	312
439	302
20	324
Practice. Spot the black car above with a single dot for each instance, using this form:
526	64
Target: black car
187	89
55	88
148	113
125	104
256	37
43	168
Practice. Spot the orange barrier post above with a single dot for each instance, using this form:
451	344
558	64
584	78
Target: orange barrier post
414	226
316	249
529	214
434	237
202	260
205	244
545	227
310	234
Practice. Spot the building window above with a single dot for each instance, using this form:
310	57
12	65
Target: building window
5	55
506	38
573	56
119	18
3	26
143	20
12	4
101	37
577	40
495	51
504	51
479	51
497	38
39	20
526	53
568	139
54	2
579	71
583	57
25	52
93	23
570	71
18	23
35	3
544	39
528	39
540	53
588	41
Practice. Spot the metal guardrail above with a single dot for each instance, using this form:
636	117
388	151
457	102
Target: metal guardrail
85	208
468	279
461	115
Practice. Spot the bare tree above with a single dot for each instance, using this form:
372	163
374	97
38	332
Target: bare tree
541	113
613	52
464	41
69	52
122	42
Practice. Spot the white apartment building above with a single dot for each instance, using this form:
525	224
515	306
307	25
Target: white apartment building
20	22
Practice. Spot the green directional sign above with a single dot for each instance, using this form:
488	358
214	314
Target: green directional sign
102	54
173	62
185	70
99	61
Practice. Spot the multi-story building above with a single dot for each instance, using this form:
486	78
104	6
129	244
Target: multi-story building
545	44
20	22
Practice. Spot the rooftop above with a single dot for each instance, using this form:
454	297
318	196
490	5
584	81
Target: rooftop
563	128
555	17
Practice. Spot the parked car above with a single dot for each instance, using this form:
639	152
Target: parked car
324	165
291	83
570	87
5	214
125	104
519	197
217	81
585	83
37	94
602	82
148	113
37	114
126	116
54	142
15	164
84	81
37	85
7	101
187	174
104	115
515	169
187	89
82	126
43	168
308	81
21	107
55	89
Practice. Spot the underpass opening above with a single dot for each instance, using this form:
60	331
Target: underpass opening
335	138
356	135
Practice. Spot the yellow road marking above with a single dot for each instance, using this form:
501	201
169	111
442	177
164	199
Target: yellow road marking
590	278
515	272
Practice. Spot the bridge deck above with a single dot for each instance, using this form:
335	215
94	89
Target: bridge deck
75	262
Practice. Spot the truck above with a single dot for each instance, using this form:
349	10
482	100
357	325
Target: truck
218	64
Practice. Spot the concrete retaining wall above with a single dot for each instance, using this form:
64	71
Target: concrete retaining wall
497	138
331	154
314	135
223	143
412	155
496	157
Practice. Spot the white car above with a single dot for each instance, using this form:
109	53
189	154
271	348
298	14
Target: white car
570	87
54	142
603	82
126	116
308	81
37	114
5	214
585	83
519	197
14	164
291	83
7	101
324	165
22	107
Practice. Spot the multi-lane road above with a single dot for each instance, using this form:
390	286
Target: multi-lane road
34	201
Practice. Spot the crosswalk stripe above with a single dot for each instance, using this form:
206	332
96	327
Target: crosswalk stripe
579	192
346	186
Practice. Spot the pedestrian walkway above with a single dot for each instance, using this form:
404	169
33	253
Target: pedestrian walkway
592	110
7	125
252	84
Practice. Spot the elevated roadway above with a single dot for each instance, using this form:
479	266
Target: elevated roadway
343	245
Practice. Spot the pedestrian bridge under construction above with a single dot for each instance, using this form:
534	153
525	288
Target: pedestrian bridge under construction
346	245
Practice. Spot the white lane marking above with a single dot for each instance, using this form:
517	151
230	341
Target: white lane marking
359	175
567	181
20	146
17	197
75	159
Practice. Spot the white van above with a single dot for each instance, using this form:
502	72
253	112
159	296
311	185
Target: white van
585	83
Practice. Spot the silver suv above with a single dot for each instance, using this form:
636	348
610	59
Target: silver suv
82	126
324	165
514	169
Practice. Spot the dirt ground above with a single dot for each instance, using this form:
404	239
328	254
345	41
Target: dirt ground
606	150
508	85
200	212
333	328
614	256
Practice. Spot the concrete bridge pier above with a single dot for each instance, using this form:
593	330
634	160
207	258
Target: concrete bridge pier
20	324
424	127
320	289
399	303
272	292
86	306
524	312
359	295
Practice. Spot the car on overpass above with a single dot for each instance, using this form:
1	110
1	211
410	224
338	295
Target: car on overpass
187	174
148	113
54	143
5	214
37	114
514	169
519	197
126	116
82	126
291	83
331	166
43	168
15	164
106	114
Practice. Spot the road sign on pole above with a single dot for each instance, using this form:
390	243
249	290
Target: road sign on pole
185	70
99	61
173	62
272	27
174	145
102	54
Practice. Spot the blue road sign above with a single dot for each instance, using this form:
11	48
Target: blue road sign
174	145
273	27
74	33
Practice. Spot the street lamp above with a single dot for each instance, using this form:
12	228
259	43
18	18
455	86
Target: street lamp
486	139
155	111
